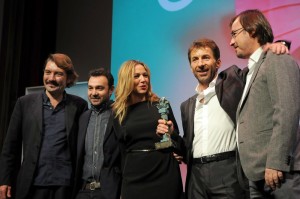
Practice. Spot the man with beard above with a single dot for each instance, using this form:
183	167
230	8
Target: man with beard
98	173
44	126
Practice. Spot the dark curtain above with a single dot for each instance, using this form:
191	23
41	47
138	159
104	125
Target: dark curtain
28	36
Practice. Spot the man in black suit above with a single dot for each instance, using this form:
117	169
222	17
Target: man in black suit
208	120
98	173
44	126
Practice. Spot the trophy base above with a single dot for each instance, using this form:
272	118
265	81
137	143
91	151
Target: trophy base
163	145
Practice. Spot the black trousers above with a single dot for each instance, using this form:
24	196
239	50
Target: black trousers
50	192
215	180
90	194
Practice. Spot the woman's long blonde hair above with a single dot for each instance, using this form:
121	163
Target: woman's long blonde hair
125	86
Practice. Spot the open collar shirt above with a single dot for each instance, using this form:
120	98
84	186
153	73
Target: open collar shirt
54	165
94	157
213	129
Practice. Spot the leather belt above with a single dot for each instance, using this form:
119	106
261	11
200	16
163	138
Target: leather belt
150	150
92	185
141	150
214	157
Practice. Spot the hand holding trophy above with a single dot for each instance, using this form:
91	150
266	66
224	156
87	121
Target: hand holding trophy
163	108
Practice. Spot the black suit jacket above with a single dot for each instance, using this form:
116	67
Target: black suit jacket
229	89
110	177
25	129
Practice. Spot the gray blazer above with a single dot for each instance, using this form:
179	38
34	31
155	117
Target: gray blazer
268	117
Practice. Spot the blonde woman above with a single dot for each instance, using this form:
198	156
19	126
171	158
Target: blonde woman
147	172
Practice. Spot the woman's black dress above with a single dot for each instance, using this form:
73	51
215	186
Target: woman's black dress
153	174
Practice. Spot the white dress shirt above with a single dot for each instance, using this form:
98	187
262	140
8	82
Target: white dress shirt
213	129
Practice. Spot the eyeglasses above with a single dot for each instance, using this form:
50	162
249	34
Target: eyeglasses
235	33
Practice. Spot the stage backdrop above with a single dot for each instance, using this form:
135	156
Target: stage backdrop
159	33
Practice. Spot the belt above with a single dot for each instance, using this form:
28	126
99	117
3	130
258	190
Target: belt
140	150
214	157
150	150
91	185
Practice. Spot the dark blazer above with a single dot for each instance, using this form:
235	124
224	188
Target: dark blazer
229	89
268	117
110	177
25	128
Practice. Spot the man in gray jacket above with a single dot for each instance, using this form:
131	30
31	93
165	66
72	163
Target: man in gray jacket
268	113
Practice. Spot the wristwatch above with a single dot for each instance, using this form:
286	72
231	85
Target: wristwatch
285	42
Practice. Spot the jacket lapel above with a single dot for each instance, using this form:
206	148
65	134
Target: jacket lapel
84	121
37	112
108	127
70	115
256	69
191	115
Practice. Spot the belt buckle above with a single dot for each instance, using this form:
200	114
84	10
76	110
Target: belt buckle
202	160
93	186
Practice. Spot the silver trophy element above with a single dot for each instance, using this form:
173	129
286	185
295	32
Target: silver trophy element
163	108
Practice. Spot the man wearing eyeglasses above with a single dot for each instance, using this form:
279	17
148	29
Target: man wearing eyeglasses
268	113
